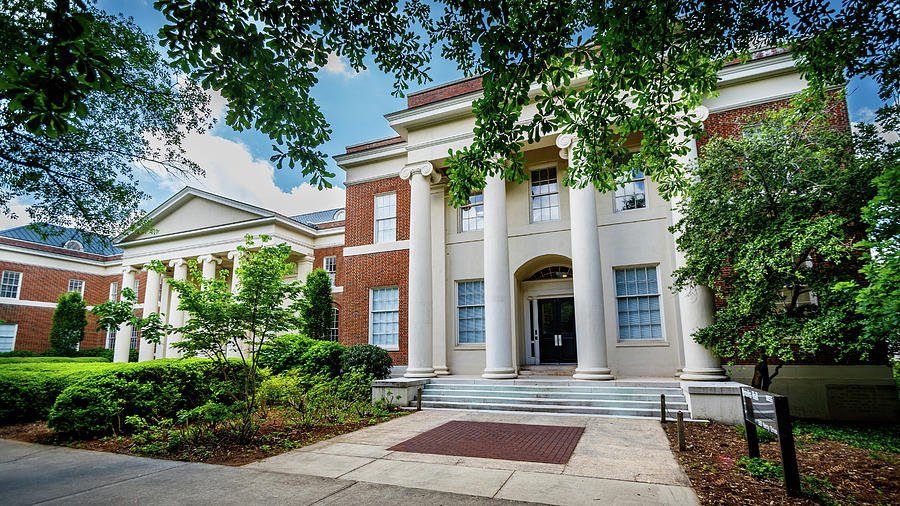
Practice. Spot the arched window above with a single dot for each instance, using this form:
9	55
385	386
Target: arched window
552	272
73	245
339	215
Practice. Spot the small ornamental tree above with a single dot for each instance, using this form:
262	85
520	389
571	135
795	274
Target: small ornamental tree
772	223
69	322
317	305
113	314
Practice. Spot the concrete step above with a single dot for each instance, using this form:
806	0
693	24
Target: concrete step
555	388
648	413
553	394
599	403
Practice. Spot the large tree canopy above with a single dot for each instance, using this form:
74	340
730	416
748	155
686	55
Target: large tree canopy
772	223
84	97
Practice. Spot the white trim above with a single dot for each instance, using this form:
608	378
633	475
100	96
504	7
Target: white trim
371	155
27	303
337	289
388	347
15	333
237	240
531	171
381	247
762	68
114	259
379	177
457	344
664	341
18	288
376	219
80	291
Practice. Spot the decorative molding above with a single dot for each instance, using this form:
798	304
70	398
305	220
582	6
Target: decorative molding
381	247
27	303
209	258
426	169
565	143
177	262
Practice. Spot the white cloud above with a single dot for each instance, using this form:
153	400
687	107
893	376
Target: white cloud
20	210
233	172
865	114
337	65
889	136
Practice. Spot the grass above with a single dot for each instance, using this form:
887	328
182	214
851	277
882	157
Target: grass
762	435
882	438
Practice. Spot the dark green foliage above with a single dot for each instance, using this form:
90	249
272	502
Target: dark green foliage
132	355
53	352
82	94
317	305
370	359
19	353
762	435
761	468
96	352
152	390
771	224
69	322
323	358
885	438
29	389
284	353
49	360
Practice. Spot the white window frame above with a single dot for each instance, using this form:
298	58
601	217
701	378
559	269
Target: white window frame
532	196
135	337
657	341
113	291
376	220
18	285
332	274
80	291
111	338
137	287
471	206
631	179
15	332
334	330
395	347
456	303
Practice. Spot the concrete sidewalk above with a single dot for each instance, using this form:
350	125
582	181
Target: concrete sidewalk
38	474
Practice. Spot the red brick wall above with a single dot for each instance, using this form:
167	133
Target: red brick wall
360	222
443	92
319	261
362	272
45	284
374	144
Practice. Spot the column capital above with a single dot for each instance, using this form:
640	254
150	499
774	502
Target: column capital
426	169
565	143
234	254
129	269
177	262
209	258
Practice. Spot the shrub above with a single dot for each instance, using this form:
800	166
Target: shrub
132	355
18	353
370	359
69	322
323	358
96	352
49	360
151	390
317	305
29	389
284	353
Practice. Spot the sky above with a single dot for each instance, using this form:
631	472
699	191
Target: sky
236	163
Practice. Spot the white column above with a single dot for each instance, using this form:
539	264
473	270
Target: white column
304	267
235	257
208	264
151	305
419	339
498	363
438	282
587	278
165	292
696	304
123	335
176	316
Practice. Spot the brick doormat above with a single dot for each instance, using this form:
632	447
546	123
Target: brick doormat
508	441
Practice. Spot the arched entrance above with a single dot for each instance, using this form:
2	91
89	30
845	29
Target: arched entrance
547	311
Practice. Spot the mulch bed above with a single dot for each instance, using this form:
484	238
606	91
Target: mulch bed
510	441
276	435
854	475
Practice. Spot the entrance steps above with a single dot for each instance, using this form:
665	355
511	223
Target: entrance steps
631	399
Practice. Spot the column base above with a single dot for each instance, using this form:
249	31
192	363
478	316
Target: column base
499	374
595	374
424	372
442	370
704	374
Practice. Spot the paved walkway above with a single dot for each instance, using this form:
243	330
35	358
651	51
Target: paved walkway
617	461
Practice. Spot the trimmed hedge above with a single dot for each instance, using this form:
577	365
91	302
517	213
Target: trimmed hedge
49	360
153	390
284	353
29	389
371	360
53	352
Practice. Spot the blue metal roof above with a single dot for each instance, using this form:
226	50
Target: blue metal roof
312	219
59	236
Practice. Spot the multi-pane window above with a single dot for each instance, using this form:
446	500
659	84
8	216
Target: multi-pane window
137	287
134	338
632	194
333	330
384	317
111	339
386	217
471	215
76	285
470	311
10	283
637	303
544	195
7	337
330	264
113	290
